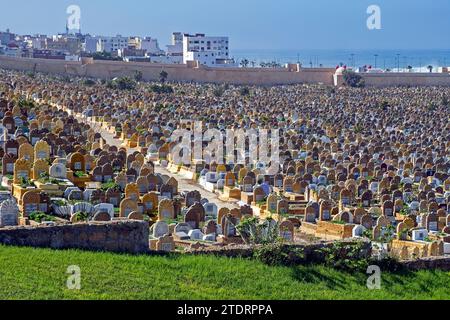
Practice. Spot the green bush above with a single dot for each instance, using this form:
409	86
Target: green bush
81	216
123	83
253	231
160	89
89	82
278	254
80	174
111	184
40	216
346	256
138	76
245	91
218	92
353	79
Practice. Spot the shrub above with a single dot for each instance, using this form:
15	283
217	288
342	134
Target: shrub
163	76
160	89
80	174
353	79
278	254
81	216
123	83
110	185
253	231
245	91
89	82
138	76
346	256
219	91
40	216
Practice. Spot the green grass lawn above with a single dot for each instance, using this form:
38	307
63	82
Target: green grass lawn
27	273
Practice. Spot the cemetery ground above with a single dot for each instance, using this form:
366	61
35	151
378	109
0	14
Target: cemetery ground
27	273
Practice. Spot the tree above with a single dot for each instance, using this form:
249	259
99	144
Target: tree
244	63
163	76
138	76
410	68
244	91
219	91
123	83
353	79
430	68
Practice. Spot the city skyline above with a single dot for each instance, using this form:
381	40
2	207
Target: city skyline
288	24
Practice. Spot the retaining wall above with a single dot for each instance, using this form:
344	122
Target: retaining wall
116	236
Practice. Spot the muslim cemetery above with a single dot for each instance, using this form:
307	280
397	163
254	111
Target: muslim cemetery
92	178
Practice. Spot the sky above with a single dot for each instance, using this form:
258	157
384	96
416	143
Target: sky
250	24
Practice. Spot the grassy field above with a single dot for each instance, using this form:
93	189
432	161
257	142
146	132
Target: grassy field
27	273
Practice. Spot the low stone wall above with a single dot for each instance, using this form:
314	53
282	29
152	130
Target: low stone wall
116	236
432	263
406	79
312	252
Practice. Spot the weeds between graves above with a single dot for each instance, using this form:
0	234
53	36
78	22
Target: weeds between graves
39	217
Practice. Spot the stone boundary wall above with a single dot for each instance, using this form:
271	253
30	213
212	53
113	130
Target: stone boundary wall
406	79
190	73
312	252
116	236
181	73
432	263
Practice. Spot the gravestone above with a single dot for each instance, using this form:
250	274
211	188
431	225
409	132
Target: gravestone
9	213
166	210
210	210
287	230
160	229
58	171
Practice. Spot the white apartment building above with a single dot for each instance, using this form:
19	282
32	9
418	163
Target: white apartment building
208	51
151	46
176	46
105	44
111	44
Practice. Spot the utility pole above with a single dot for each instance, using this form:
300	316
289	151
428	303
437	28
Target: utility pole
376	57
398	62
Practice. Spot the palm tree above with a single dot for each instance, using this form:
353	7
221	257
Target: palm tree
245	63
430	67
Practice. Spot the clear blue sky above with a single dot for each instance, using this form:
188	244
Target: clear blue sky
250	24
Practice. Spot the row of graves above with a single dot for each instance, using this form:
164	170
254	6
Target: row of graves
63	172
351	166
330	191
399	196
